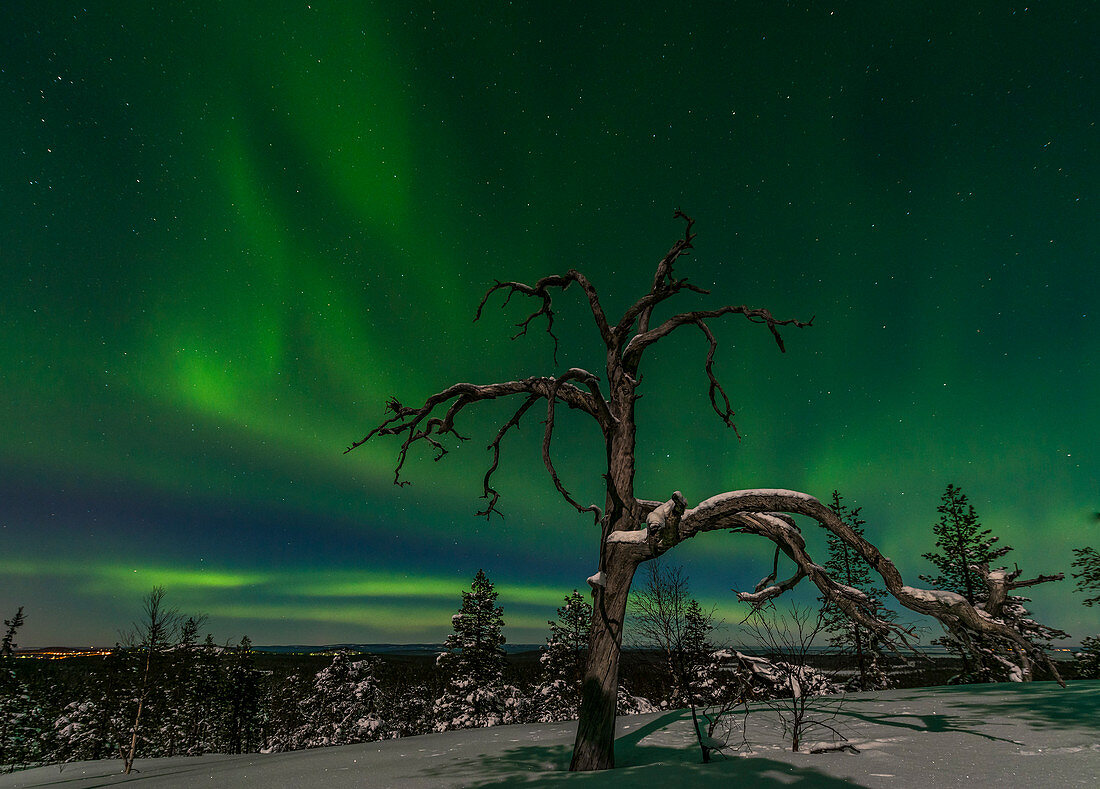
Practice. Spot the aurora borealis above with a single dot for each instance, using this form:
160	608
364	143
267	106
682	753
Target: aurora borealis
232	230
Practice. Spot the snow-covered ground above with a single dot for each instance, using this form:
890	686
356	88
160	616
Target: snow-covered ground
1033	734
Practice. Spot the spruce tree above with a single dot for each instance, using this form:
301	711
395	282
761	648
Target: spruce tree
240	700
7	647
962	544
475	695
1087	661
1088	580
282	714
965	561
19	712
558	696
342	707
186	708
849	568
95	726
200	712
697	657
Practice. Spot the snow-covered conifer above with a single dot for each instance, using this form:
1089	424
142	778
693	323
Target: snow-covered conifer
240	700
282	713
94	726
475	695
20	721
188	695
1087	660
965	560
558	695
342	707
19	712
1088	580
700	661
626	703
409	709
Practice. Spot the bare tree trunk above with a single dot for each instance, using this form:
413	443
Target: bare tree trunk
595	744
128	756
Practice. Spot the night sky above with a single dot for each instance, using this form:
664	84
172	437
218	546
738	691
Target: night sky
230	231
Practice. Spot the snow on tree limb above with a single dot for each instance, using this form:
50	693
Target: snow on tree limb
597	580
1000	582
636	536
761	512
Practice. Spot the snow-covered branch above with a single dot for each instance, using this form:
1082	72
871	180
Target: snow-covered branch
785	534
756	511
1001	581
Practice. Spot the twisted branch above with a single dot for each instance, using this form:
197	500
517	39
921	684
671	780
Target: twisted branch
725	413
783	531
418	424
664	284
766	588
541	290
548	433
761	512
491	495
633	351
1000	582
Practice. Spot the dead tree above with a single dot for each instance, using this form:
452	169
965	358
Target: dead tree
152	635
632	529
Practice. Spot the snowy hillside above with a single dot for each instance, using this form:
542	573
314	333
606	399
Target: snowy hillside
1034	734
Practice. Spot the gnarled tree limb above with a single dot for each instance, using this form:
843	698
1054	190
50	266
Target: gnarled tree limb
418	424
633	351
541	290
761	512
725	412
999	583
491	495
548	434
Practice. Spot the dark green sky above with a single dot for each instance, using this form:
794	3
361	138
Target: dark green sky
231	230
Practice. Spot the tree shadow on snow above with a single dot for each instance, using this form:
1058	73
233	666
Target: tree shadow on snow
934	723
1076	706
643	765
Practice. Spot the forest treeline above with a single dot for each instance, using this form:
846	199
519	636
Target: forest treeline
164	691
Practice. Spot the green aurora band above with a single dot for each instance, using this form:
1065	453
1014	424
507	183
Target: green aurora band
233	230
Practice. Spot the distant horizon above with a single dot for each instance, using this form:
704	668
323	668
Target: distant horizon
428	647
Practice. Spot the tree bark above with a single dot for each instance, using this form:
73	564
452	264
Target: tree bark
595	744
